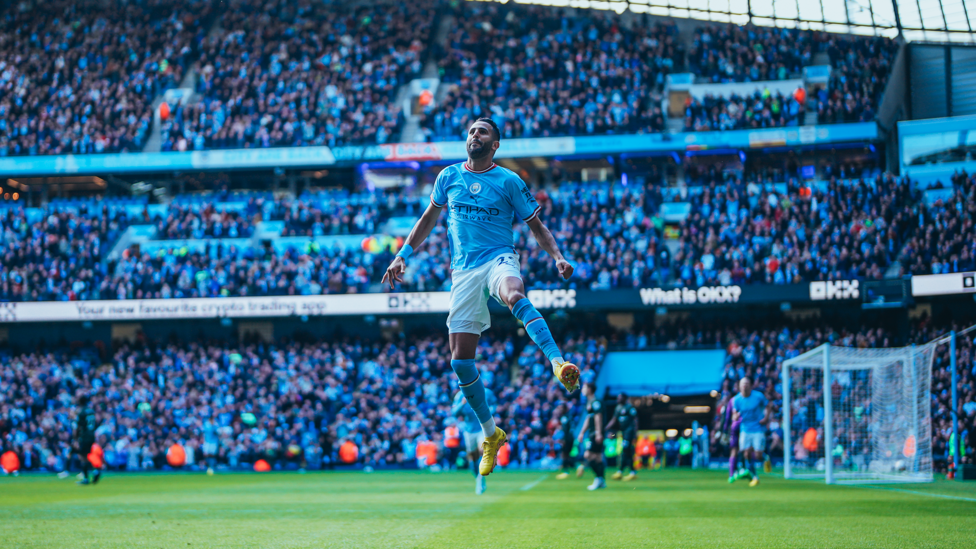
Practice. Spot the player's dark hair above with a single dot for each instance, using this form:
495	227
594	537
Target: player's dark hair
490	122
622	395
591	386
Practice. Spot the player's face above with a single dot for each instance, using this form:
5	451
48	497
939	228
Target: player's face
745	386
481	140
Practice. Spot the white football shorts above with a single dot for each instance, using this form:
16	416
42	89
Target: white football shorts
754	441
470	290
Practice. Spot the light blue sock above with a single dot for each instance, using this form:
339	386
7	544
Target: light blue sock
537	328
474	391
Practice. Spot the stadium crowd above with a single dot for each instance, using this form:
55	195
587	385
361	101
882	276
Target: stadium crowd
296	404
58	255
283	74
737	231
859	72
761	110
541	72
292	404
731	53
275	74
943	240
80	77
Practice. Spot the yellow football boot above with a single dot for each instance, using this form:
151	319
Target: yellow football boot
568	374
490	448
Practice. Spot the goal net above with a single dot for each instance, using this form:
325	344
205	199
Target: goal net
858	415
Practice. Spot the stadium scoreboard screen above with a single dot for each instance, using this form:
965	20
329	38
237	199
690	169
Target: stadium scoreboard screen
885	294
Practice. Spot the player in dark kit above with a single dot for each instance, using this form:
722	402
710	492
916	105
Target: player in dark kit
594	442
731	430
85	438
625	419
566	440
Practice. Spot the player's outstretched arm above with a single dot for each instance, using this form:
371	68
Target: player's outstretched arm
548	243
419	233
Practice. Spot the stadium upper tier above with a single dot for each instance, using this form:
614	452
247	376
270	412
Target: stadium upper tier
296	404
286	74
82	77
740	231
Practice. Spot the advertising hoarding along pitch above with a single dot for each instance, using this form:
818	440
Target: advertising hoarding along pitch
231	307
634	299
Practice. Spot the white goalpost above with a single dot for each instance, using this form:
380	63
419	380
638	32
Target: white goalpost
858	415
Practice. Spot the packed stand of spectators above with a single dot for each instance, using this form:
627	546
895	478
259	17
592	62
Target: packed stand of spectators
80	77
234	272
617	236
943	239
731	53
205	222
859	72
747	234
57	255
283	74
762	110
294	404
540	71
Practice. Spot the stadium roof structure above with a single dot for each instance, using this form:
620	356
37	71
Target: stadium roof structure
915	20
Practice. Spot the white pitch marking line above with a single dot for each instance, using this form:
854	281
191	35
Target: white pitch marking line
534	483
929	494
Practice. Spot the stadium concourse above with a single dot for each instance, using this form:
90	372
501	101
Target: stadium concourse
739	230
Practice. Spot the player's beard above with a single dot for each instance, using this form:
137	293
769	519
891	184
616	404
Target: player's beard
480	152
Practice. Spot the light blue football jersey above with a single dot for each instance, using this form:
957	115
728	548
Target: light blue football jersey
482	207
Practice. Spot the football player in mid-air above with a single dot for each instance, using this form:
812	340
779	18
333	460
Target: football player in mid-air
483	201
625	419
593	443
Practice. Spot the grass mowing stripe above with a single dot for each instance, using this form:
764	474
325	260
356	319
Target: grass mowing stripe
886	488
534	483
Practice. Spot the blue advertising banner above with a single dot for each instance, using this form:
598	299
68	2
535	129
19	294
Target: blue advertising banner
118	163
294	157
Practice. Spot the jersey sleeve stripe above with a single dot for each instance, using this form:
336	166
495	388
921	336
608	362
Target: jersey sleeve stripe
535	213
436	205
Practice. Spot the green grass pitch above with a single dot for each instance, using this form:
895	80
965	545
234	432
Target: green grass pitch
674	509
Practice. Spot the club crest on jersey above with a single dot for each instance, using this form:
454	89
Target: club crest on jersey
475	188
